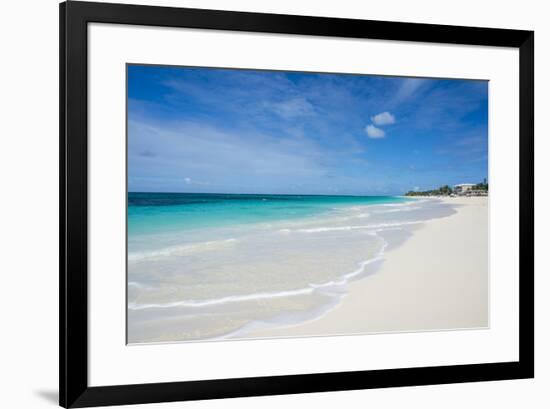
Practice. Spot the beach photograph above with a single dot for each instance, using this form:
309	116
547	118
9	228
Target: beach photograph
277	204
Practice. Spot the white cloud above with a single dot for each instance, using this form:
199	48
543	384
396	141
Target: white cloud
292	108
408	88
214	160
374	132
383	118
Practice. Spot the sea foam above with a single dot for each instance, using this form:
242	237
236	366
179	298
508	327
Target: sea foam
221	281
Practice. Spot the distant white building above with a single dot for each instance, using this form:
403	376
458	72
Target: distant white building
462	188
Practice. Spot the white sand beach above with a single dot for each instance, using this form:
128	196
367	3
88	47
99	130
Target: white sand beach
435	280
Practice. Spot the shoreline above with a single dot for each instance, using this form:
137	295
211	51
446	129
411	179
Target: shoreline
435	280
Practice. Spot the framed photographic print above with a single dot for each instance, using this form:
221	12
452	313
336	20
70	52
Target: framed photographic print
256	204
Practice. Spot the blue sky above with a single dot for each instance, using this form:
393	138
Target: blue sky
246	131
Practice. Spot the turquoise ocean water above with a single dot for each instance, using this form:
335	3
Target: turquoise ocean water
165	212
217	266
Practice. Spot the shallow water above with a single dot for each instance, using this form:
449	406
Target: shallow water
269	262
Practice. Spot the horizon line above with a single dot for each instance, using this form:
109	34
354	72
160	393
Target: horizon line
270	194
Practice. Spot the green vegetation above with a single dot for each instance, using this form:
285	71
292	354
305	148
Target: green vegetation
447	190
484	186
442	191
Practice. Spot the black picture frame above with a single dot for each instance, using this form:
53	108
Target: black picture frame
73	258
